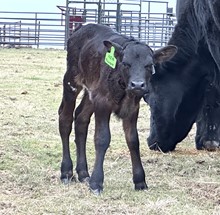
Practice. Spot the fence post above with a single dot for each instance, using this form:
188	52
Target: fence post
4	33
35	28
162	32
66	24
0	36
28	35
99	11
19	32
154	34
139	21
13	32
38	35
9	33
118	17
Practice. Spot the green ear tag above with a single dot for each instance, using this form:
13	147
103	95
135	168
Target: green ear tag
110	58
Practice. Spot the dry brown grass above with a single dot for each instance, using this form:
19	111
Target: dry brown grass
184	182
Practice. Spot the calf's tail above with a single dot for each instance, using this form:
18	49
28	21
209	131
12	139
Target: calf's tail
78	27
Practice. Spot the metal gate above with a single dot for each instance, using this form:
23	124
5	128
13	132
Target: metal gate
146	20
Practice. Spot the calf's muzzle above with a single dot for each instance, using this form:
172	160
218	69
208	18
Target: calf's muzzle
137	87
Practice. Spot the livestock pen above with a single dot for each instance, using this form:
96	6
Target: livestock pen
146	20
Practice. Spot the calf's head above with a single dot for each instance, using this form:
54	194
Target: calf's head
136	63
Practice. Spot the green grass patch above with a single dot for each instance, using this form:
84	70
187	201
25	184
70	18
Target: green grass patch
186	181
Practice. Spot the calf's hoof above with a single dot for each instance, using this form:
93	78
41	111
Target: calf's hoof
96	192
95	189
83	176
141	186
67	171
85	180
67	178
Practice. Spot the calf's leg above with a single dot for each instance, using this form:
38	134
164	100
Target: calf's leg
82	119
131	135
102	140
70	92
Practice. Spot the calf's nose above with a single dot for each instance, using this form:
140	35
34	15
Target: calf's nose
137	85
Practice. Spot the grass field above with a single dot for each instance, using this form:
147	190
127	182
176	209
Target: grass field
183	182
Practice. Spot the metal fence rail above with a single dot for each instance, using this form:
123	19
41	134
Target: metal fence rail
32	29
54	29
19	33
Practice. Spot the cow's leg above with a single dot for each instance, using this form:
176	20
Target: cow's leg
207	136
208	122
102	140
82	119
131	135
70	92
208	129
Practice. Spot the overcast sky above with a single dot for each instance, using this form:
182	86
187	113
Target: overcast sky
42	5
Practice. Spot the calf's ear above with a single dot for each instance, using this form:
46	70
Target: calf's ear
164	54
118	49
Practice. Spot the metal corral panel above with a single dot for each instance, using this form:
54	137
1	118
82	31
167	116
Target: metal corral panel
149	21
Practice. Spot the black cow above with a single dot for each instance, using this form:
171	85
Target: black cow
178	96
107	89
